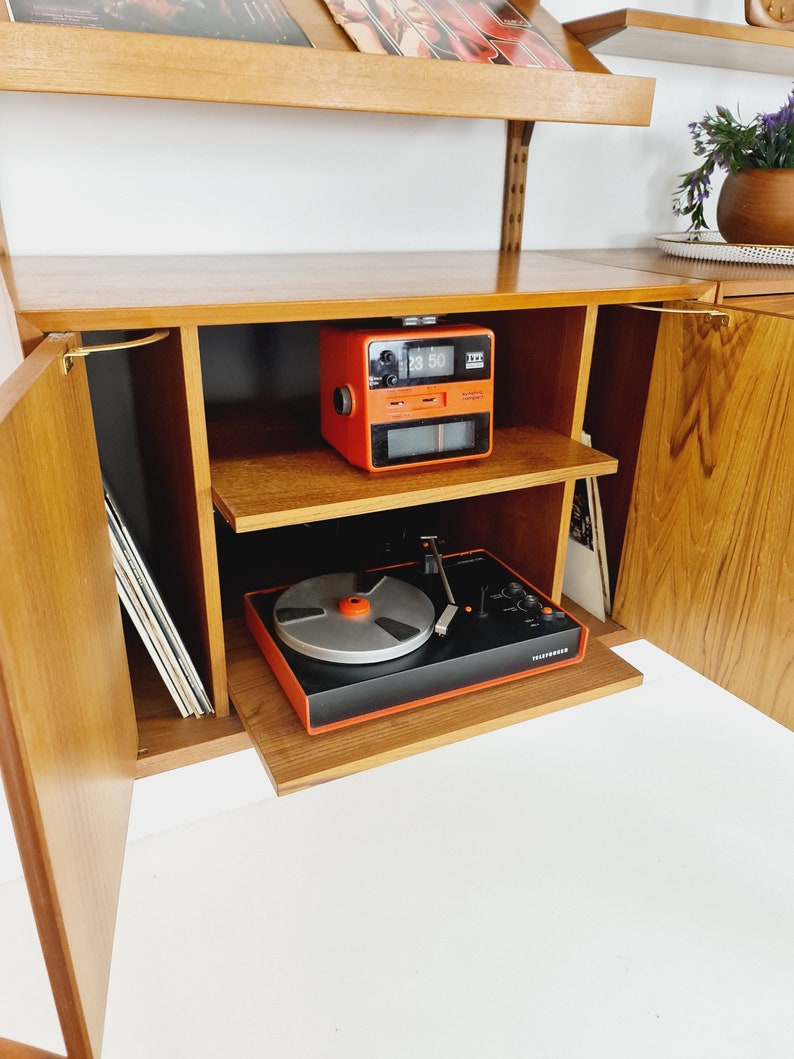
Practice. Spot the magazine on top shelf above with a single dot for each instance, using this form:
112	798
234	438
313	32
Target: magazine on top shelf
261	21
144	604
481	31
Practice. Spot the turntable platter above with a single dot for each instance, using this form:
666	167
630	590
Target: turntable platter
353	618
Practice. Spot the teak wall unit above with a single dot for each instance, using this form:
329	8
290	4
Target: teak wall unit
544	310
68	738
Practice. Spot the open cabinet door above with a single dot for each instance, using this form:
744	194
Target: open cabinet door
710	523
67	727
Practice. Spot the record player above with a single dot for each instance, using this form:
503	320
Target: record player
346	647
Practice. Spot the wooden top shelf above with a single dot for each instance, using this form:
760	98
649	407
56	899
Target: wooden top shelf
694	41
330	76
97	293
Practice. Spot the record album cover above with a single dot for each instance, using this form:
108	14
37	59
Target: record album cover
262	21
482	31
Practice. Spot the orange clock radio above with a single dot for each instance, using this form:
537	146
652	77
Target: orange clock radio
407	396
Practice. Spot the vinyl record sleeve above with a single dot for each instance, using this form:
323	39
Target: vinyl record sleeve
262	21
491	31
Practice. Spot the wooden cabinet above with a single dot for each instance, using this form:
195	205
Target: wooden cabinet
197	459
69	741
68	729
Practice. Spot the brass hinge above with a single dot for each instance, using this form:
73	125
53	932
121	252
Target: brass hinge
84	351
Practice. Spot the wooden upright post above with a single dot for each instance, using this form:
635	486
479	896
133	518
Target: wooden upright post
518	137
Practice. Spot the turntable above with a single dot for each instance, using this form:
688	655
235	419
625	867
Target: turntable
346	647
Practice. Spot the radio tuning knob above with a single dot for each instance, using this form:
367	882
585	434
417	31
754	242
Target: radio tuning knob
343	401
391	380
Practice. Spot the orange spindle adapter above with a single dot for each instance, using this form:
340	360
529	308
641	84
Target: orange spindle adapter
354	606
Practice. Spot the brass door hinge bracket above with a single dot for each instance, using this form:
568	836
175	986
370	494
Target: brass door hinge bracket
718	319
133	343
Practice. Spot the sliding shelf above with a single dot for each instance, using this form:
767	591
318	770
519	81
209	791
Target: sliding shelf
263	479
295	760
694	41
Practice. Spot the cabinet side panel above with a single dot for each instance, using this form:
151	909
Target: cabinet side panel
522	528
170	405
542	366
619	381
543	359
708	564
67	727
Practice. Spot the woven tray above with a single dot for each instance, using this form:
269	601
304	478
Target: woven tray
710	246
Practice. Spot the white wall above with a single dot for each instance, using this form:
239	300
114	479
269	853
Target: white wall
109	176
104	176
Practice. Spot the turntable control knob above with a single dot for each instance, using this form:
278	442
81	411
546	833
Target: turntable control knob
343	401
530	602
550	613
514	589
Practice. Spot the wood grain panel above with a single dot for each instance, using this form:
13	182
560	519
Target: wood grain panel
524	529
619	382
38	58
67	728
542	366
95	293
708	566
170	402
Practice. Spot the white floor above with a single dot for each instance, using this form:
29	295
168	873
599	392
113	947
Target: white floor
615	880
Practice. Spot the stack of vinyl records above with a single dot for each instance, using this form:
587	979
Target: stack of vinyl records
144	604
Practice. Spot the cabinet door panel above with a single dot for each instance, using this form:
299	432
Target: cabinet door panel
708	563
67	726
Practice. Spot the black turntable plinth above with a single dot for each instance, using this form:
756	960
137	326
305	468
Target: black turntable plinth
346	647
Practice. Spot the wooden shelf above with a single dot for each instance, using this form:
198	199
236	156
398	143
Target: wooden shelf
97	293
694	41
295	760
38	58
263	479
